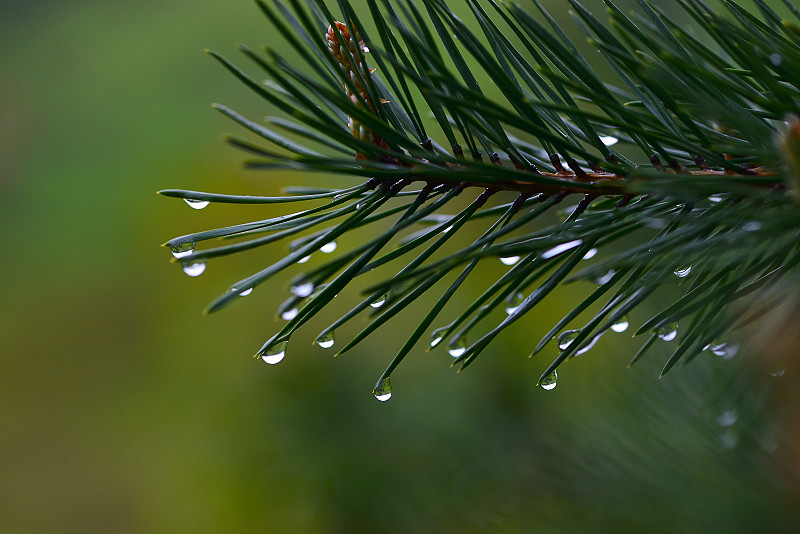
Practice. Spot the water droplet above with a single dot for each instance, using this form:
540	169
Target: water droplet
275	353
194	269
549	382
246	292
325	340
182	250
288	315
383	390
587	348
779	372
514	303
725	351
302	290
608	140
509	260
775	59
683	272
328	247
558	249
380	301
751	226
621	325
437	336
565	339
715	198
668	332
457	349
196	204
606	278
591	254
304	259
727	418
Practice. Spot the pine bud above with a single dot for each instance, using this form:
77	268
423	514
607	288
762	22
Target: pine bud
344	51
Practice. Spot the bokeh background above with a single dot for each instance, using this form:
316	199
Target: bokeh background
122	409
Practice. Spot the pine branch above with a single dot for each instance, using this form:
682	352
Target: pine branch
682	162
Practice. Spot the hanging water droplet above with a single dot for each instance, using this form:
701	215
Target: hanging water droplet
302	290
608	140
194	269
726	351
752	226
328	247
588	347
565	339
288	315
514	303
196	204
325	340
383	390
668	332
246	292
549	382
457	349
304	259
621	325
182	250
606	278
275	353
509	260
591	254
558	249
727	418
437	336
775	59
380	301
683	272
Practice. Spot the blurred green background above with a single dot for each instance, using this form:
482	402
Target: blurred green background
124	410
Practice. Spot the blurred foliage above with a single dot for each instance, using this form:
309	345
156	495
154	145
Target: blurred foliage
123	410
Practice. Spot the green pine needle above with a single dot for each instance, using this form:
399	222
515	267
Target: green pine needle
684	163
